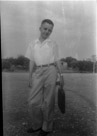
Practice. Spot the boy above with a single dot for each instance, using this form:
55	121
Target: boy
43	54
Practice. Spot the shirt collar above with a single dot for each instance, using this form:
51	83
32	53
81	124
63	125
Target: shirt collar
38	41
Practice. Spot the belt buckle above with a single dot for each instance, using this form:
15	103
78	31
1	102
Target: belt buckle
40	66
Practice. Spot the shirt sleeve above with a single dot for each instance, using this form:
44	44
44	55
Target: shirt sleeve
56	52
29	52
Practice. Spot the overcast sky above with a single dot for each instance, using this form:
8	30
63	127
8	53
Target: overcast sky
74	31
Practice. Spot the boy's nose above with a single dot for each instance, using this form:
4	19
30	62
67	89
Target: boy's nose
47	31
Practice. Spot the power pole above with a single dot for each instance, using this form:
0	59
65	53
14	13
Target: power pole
93	57
94	67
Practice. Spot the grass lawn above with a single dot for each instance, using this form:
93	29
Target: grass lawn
80	116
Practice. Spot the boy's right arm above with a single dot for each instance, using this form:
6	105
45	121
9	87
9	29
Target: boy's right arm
31	70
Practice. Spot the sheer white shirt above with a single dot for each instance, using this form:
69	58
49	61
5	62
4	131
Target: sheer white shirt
42	53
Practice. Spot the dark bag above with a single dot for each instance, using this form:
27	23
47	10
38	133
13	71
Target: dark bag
61	99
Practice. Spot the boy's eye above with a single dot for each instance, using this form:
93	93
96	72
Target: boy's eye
47	29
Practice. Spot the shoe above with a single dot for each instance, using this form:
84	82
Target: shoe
31	130
43	133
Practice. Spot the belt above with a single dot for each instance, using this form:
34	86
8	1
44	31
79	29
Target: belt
47	65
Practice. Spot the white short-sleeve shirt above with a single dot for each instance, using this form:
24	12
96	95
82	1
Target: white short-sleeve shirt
42	53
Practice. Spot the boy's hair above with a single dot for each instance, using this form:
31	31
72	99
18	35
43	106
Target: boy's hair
47	21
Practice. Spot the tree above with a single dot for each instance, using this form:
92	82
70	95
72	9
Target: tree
20	60
70	60
6	64
23	62
85	66
74	64
15	63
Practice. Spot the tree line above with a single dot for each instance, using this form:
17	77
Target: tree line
22	63
80	65
13	64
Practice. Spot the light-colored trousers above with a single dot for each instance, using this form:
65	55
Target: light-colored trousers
42	98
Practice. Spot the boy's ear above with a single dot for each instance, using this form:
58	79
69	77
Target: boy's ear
40	28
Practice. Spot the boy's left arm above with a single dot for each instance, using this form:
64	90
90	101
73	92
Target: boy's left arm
58	65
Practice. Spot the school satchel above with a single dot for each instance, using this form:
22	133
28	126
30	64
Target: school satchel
61	99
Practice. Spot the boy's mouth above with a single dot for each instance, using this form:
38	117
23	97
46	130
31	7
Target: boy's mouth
46	35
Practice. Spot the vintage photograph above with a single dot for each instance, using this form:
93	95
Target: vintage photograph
49	68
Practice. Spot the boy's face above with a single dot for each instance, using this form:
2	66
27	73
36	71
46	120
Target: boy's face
46	30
